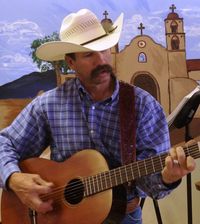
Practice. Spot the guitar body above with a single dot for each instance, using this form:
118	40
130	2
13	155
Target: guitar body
105	207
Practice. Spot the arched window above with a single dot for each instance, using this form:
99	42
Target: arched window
175	43
142	58
174	27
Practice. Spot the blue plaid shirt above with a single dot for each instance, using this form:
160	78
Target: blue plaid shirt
68	120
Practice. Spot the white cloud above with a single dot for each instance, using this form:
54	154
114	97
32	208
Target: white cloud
193	30
15	65
18	31
14	59
15	41
190	13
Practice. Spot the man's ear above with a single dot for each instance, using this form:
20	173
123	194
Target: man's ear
69	61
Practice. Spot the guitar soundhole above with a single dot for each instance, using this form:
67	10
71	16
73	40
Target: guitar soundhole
74	191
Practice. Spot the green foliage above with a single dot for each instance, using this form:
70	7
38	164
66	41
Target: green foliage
44	65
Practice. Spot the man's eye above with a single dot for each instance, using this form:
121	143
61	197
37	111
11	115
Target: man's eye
88	54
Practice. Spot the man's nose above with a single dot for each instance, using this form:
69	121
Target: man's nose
100	58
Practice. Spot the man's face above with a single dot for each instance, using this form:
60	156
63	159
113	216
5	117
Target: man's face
92	67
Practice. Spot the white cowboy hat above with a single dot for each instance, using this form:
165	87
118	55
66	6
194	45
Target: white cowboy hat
80	32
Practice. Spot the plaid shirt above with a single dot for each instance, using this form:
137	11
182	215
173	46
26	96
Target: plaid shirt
68	120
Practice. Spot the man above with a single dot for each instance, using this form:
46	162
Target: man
84	113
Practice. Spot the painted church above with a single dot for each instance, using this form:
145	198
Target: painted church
163	71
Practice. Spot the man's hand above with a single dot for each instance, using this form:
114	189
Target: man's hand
177	165
29	188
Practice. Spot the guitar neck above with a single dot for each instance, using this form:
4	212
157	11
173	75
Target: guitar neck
109	179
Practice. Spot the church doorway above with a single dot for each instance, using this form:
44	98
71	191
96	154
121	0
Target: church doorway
147	82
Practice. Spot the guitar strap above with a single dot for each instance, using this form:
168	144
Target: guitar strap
127	122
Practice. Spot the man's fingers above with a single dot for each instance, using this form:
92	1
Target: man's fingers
190	163
173	153
181	157
42	186
41	181
38	205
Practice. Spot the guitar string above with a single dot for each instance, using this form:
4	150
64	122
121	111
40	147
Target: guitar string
74	186
61	199
57	192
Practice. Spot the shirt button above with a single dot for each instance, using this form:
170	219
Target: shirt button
92	131
93	107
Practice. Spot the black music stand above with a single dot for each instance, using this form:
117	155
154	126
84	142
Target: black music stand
182	119
179	118
156	207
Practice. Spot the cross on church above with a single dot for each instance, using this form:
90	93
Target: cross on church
141	28
172	8
105	14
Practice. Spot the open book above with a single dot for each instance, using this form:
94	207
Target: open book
171	118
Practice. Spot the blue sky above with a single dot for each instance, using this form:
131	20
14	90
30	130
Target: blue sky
22	21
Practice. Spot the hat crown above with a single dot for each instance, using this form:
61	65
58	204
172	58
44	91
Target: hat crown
81	27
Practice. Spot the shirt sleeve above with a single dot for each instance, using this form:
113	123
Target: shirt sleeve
152	138
25	137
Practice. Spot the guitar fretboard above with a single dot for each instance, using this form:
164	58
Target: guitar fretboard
109	179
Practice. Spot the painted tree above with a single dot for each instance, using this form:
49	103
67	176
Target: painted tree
44	65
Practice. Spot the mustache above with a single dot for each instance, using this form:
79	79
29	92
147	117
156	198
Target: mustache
101	68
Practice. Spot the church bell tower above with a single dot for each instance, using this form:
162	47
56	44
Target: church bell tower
174	31
175	45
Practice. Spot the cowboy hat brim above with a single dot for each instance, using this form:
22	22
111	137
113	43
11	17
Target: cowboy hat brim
56	50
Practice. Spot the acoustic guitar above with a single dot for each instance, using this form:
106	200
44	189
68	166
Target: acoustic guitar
85	192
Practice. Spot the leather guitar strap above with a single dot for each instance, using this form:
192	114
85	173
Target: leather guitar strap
127	122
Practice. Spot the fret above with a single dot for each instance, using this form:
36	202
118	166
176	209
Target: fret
123	174
90	186
129	173
161	164
93	185
120	176
97	183
96	180
163	159
86	187
115	177
145	168
141	168
132	173
157	164
149	166
105	181
126	173
188	151
152	164
101	183
136	169
108	182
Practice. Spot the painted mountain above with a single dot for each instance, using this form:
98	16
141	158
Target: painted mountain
29	85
